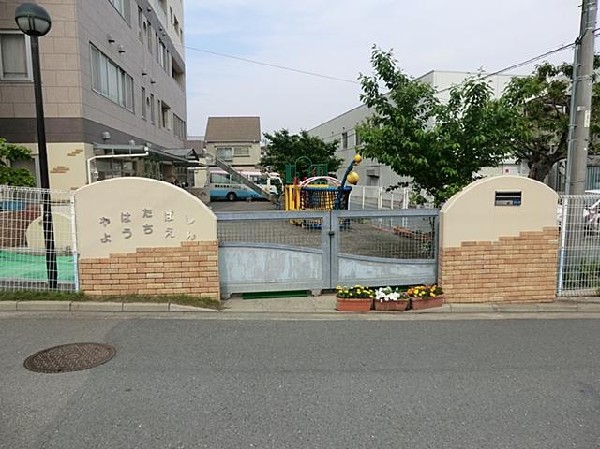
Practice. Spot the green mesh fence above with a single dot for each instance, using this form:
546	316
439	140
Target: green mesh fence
32	267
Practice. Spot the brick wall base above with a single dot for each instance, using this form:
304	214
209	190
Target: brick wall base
191	269
513	269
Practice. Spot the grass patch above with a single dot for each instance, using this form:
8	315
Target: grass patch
36	295
183	300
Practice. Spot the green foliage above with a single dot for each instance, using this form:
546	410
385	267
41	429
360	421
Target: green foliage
440	145
10	152
284	149
586	275
543	103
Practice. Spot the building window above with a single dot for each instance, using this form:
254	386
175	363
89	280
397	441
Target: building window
15	57
165	115
162	55
176	25
122	6
144	103
141	29
152	109
110	80
357	139
344	141
178	127
225	153
241	151
149	32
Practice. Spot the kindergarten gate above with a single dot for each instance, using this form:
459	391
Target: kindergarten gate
317	250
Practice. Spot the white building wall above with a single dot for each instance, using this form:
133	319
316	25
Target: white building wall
370	171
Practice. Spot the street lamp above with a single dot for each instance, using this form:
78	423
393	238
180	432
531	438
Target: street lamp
34	21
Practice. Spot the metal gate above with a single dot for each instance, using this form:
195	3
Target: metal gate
318	250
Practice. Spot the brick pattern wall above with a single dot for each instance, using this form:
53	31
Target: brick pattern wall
513	269
191	269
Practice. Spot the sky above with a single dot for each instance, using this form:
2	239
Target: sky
335	39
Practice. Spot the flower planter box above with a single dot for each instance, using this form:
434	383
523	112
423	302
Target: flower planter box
353	304
426	303
391	306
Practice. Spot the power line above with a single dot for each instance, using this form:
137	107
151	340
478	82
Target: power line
497	72
267	64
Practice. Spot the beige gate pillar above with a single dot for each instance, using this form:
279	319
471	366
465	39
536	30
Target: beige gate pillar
499	242
138	236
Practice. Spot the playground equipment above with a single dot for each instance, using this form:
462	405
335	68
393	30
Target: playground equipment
295	172
322	192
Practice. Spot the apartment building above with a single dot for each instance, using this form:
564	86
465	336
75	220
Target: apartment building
343	129
113	77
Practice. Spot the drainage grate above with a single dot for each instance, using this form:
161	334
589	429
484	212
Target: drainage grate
71	357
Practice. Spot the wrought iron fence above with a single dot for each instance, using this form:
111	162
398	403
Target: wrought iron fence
25	262
579	252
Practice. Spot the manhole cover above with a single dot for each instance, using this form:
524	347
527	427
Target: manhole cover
71	357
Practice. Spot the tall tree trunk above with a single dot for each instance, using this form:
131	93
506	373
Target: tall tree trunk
539	166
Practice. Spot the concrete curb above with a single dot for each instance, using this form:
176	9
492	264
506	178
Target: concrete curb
95	306
8	306
43	306
322	307
79	306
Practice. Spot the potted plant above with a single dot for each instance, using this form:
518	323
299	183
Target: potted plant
425	296
354	299
391	299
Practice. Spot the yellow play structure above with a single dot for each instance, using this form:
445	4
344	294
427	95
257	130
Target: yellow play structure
322	192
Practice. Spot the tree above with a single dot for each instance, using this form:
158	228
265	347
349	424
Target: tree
440	145
300	150
10	153
544	103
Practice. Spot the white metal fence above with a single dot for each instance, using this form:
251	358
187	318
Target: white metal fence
579	252
377	198
33	254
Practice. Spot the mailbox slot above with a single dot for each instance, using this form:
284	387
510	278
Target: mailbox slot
508	199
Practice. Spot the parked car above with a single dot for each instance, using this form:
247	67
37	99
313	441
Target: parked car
590	212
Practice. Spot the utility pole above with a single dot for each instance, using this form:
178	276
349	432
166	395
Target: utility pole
581	101
578	140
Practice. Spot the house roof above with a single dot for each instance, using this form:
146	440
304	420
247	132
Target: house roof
232	129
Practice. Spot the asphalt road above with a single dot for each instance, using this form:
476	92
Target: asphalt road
241	206
235	383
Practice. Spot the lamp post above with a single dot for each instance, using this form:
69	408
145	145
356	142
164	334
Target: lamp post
34	21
